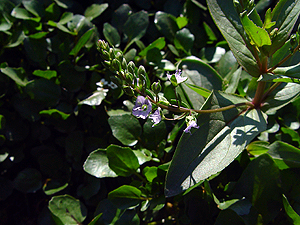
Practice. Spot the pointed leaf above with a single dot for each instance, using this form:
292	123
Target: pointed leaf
125	196
166	24
295	218
111	35
82	41
95	10
184	40
228	21
213	146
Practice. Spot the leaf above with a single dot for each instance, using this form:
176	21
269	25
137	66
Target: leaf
184	40
258	147
125	196
136	26
48	74
285	155
289	71
122	160
96	98
95	10
229	23
21	13
28	180
211	35
111	35
97	165
166	24
228	217
82	41
68	209
281	96
294	216
55	114
200	90
213	146
285	14
16	74
258	35
259	185
126	128
51	187
35	7
159	44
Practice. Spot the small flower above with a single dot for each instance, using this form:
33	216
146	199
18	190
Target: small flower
102	82
176	78
156	117
191	124
112	85
142	107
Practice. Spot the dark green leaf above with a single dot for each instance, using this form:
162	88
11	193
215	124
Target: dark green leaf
82	41
258	184
166	24
111	35
48	74
28	181
97	165
16	74
35	7
95	10
213	146
285	155
294	217
36	49
228	21
184	40
159	44
126	128
68	209
229	217
6	187
122	160
125	196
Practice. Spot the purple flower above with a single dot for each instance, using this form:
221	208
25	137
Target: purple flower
142	107
191	124
156	117
176	78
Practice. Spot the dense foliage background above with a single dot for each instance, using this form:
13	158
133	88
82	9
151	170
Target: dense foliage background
53	134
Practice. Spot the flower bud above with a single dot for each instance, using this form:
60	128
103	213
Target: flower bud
106	63
129	77
105	55
141	71
112	53
131	67
124	64
116	65
119	56
156	87
293	39
116	80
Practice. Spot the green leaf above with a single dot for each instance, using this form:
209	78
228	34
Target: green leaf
150	173
82	41
258	147
281	96
166	24
111	35
96	218
21	13
68	209
96	98
122	160
228	21
125	196
35	7
51	187
200	90
289	71
258	35
199	74
228	217
97	165
181	22
136	26
95	10
16	74
126	128
285	14
48	74
184	40
28	180
55	114
214	145
258	184
285	155
211	35
294	216
159	44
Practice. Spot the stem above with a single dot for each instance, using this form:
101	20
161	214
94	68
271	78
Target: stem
259	93
272	88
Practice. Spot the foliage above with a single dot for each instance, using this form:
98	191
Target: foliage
149	112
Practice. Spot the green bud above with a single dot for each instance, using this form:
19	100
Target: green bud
128	91
129	77
107	63
119	56
105	55
131	67
112	53
116	65
293	39
273	33
141	71
124	64
156	87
